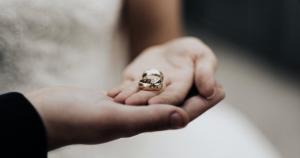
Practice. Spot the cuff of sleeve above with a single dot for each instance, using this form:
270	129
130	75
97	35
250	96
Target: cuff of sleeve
22	130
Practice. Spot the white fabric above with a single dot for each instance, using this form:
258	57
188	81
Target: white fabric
59	42
53	42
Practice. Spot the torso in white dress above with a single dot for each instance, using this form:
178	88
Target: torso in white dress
59	42
77	42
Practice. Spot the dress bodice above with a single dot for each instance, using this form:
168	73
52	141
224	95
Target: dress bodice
55	42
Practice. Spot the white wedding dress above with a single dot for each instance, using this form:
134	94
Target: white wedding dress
79	42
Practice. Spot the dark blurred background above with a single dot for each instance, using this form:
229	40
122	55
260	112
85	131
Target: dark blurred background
269	27
258	46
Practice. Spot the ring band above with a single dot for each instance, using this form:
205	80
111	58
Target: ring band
152	80
150	87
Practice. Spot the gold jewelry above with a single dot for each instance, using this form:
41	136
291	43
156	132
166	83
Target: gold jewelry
152	80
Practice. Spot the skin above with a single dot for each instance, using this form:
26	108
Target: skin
185	61
151	22
83	116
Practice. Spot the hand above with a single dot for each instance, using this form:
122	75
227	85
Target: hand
83	116
184	62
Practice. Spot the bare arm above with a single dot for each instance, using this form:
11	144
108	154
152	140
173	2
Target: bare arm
152	22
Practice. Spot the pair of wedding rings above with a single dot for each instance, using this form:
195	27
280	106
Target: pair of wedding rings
152	80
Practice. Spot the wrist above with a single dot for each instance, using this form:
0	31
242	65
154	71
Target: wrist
37	102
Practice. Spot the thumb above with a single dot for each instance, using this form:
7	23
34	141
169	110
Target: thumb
139	119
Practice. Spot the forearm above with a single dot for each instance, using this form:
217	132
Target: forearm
152	22
140	41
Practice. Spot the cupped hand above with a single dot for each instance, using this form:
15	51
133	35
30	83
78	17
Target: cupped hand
184	62
84	116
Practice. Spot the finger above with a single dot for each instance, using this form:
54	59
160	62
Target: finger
206	65
197	105
138	119
174	94
126	92
114	92
141	97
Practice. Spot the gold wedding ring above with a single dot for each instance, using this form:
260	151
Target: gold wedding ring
152	80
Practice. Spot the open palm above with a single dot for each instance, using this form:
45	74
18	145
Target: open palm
184	62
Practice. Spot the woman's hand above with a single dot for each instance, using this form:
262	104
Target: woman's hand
83	116
184	62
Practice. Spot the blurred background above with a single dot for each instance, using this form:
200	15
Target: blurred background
257	42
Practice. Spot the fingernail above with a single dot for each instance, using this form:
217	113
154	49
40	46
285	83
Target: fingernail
176	120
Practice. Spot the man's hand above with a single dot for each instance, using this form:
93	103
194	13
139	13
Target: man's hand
184	62
83	116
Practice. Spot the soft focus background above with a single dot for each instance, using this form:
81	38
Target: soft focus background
257	42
